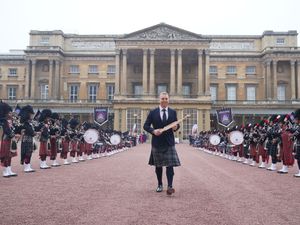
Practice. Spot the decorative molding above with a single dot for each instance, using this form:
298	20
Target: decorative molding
162	33
232	46
99	45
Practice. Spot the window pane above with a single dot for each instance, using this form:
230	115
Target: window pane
92	93
251	93
189	123
250	70
161	88
12	93
110	91
231	93
213	69
74	69
281	92
231	69
213	92
44	91
93	69
186	90
138	90
111	69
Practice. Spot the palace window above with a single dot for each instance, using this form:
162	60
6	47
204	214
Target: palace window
44	91
74	69
251	93
213	92
231	93
12	72
231	70
111	70
162	88
281	89
213	70
134	120
93	69
280	41
189	123
12	93
44	40
137	90
186	90
250	70
73	92
92	92
110	91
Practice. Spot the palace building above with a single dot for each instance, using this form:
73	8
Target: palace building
254	75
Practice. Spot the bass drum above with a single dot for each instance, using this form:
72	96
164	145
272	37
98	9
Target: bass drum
115	139
91	136
236	137
214	139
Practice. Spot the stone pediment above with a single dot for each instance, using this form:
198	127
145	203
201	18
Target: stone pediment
162	32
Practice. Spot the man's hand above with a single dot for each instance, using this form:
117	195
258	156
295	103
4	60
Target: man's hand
157	132
175	127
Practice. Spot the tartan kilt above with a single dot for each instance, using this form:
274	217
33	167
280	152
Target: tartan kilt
5	149
164	156
26	147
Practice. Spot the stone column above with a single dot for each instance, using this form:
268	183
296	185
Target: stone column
179	72
50	84
200	120
116	119
117	76
20	94
56	88
124	73
145	71
33	85
207	77
207	120
4	91
152	71
123	121
268	80
27	80
200	72
275	80
298	79
293	83
172	74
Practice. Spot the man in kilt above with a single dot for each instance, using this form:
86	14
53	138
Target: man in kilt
27	145
6	136
296	134
163	152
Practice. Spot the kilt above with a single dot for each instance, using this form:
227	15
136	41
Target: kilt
26	147
164	156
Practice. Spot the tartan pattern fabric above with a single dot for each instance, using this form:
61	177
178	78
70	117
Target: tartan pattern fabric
164	156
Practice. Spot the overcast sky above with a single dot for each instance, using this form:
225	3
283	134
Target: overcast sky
207	17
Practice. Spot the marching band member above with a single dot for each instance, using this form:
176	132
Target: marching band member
287	146
27	146
73	123
44	120
65	141
296	134
260	144
54	136
6	135
273	141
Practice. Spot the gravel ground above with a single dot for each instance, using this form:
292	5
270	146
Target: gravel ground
120	190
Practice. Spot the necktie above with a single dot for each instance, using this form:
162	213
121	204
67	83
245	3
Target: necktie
164	116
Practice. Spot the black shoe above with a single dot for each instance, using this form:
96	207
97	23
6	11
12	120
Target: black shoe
159	188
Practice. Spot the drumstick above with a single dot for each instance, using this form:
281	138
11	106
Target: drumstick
173	124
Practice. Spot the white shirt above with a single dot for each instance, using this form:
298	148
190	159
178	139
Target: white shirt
162	112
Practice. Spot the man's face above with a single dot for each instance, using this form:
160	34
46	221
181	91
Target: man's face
164	100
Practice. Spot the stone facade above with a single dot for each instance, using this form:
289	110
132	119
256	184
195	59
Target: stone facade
255	75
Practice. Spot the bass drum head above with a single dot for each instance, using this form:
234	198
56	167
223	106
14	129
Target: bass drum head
91	136
115	139
214	139
236	137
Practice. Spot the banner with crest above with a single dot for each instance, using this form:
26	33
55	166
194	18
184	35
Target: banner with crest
224	116
101	115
